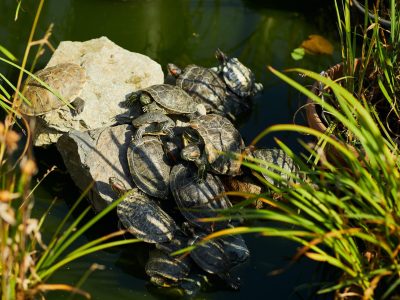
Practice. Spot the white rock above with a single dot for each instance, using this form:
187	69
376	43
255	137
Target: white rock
112	74
95	156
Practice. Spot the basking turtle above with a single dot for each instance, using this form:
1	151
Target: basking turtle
220	140
165	270
198	199
203	84
141	215
212	258
239	79
155	123
66	79
148	165
279	158
165	98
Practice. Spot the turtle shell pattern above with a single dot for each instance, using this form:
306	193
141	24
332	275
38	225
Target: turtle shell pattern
148	166
219	135
172	98
162	265
204	85
67	79
210	256
238	77
279	158
143	218
198	199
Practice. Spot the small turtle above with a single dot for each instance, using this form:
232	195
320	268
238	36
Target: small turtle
220	139
279	158
198	199
141	215
165	270
155	123
148	165
239	79
66	79
165	98
212	258
202	84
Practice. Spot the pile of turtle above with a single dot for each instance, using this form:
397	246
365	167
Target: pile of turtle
184	141
184	146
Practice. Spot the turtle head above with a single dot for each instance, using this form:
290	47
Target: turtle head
191	153
117	185
174	70
145	99
132	98
190	136
221	56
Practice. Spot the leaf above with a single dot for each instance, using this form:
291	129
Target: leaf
316	44
7	53
298	53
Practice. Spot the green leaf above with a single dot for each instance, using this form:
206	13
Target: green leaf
298	53
7	53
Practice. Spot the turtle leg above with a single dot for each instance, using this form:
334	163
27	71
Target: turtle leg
141	131
201	172
78	105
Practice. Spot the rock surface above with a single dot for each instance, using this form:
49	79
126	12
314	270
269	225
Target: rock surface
95	156
112	74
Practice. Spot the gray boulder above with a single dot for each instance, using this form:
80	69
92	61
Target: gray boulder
95	156
112	74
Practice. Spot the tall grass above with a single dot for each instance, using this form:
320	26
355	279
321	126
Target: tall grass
26	262
343	209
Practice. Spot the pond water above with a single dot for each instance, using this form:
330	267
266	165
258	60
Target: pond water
259	33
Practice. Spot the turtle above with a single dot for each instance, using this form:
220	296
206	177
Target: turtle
153	122
165	270
149	166
203	84
198	199
166	98
142	216
212	258
220	140
66	80
279	158
238	78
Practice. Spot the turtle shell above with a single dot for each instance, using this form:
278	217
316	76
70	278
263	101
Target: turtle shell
172	98
220	135
198	199
143	218
204	86
66	79
162	266
210	256
279	158
235	248
239	79
148	166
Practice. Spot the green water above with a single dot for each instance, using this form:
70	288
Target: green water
259	33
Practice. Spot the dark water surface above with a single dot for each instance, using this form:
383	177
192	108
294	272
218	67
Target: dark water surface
259	33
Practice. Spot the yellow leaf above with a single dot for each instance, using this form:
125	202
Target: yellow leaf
316	44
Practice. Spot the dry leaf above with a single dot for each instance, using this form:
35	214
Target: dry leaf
316	44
